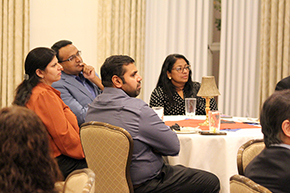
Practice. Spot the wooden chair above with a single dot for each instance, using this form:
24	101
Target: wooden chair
108	151
247	152
79	181
242	184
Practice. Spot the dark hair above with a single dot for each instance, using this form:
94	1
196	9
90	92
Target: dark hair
56	47
275	110
166	84
26	162
37	58
113	65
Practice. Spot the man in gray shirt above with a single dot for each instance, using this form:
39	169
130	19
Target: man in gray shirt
118	106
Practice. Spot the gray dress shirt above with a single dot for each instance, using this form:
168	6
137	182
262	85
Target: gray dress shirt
152	138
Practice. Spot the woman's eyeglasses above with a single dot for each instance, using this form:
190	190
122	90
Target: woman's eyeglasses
181	69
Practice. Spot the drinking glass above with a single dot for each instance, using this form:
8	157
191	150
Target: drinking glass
214	121
159	111
190	105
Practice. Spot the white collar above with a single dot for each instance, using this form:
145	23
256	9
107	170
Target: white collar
281	145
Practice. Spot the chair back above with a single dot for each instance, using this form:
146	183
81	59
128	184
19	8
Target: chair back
108	150
242	184
79	181
247	152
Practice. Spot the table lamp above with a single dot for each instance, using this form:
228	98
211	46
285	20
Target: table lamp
208	90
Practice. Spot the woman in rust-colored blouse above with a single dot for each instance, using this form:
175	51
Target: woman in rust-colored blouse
35	92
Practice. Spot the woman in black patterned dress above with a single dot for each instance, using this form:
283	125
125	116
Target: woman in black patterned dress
174	85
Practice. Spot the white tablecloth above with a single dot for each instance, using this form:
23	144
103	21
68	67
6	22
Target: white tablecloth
213	153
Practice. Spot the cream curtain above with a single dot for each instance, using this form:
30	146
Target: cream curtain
121	30
14	33
275	45
239	58
177	26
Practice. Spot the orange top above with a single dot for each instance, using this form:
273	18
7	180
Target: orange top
61	123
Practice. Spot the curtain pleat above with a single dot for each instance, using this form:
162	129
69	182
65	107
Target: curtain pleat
176	26
275	43
286	40
121	30
14	38
239	58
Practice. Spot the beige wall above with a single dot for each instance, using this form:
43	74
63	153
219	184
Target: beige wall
74	20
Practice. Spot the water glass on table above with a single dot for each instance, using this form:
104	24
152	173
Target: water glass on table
190	106
214	121
159	111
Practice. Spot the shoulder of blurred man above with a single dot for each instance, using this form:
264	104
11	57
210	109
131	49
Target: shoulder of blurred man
283	84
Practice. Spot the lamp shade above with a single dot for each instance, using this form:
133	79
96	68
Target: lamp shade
208	87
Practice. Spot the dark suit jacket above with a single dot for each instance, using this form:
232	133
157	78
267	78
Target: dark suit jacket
283	84
271	168
75	95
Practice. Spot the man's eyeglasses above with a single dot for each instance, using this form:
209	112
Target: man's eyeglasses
181	69
71	57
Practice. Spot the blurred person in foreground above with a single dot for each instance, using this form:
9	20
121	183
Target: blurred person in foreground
283	84
271	168
174	85
79	84
118	105
35	92
26	164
